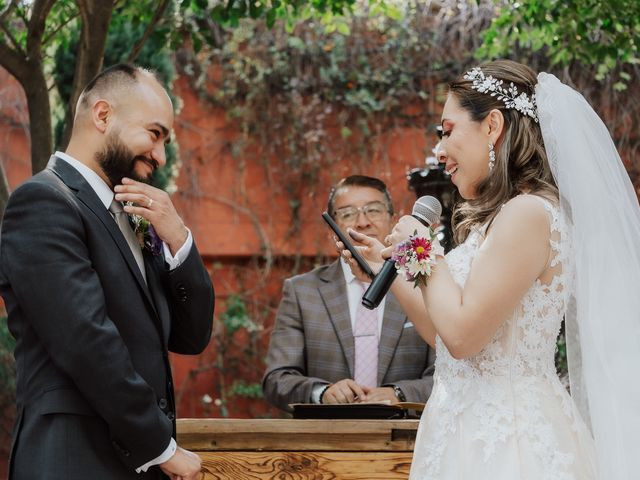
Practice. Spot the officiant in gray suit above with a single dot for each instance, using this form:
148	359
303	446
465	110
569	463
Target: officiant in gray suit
325	346
95	306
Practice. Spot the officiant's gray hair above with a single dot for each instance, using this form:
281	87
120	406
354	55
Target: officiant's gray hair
359	181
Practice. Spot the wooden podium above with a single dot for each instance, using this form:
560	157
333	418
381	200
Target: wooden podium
287	449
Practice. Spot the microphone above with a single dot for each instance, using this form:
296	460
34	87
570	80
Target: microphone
427	210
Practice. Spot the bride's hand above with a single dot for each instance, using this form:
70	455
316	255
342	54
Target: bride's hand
406	226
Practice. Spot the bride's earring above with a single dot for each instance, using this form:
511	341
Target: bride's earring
492	157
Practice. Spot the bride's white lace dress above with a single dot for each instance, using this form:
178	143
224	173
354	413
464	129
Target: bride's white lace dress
504	414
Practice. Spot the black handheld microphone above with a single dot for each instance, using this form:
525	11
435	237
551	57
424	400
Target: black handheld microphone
427	210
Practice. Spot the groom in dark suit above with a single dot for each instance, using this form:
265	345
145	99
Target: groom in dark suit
94	306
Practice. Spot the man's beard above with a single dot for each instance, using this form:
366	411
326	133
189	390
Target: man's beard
118	161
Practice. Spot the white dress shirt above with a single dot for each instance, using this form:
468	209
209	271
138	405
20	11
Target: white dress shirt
354	297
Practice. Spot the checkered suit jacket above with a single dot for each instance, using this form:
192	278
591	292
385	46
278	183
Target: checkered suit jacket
312	342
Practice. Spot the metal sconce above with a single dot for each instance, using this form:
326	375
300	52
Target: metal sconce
433	180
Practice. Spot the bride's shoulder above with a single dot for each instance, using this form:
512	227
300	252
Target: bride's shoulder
524	215
528	204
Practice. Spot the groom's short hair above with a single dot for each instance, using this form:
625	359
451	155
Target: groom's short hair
113	79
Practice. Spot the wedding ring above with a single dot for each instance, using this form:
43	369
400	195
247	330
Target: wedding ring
387	240
149	203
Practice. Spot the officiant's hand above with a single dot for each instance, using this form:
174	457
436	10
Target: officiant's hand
344	391
155	206
380	394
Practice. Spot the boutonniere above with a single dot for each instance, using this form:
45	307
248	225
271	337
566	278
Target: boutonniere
146	234
416	257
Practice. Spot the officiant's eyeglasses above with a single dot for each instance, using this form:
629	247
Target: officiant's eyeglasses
374	211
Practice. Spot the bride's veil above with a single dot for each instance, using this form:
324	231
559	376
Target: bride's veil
603	319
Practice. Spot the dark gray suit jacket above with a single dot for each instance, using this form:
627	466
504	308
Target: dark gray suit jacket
312	342
94	390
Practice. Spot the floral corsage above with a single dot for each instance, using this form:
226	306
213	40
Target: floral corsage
146	234
416	257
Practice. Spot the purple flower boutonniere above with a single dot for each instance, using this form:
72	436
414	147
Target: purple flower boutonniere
146	234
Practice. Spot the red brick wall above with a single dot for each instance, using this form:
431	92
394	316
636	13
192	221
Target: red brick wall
234	206
14	135
222	197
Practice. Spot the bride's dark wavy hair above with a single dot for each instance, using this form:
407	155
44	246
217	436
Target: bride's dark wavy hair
521	160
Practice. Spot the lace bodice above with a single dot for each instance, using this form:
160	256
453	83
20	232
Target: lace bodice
525	344
506	387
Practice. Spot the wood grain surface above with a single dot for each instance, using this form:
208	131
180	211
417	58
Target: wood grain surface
297	435
306	465
292	449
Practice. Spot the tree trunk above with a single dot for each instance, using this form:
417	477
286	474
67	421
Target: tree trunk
96	16
35	87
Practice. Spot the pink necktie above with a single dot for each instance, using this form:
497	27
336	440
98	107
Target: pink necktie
366	342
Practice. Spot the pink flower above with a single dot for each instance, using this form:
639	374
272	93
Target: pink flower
414	258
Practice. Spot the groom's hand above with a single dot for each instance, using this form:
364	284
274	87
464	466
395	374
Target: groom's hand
183	465
154	205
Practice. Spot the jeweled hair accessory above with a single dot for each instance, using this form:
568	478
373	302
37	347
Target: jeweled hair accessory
510	96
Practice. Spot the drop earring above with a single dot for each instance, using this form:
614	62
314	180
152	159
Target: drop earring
492	157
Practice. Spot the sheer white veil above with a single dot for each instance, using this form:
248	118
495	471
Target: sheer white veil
603	319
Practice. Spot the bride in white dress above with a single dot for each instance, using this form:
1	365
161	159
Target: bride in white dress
549	229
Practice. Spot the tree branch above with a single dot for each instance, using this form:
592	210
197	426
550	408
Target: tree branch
95	15
147	33
3	16
15	63
39	13
23	16
14	42
59	27
7	11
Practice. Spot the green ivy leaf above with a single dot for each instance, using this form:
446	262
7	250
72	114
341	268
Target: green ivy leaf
271	17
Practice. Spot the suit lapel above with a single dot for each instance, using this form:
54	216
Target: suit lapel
154	281
332	289
74	180
392	325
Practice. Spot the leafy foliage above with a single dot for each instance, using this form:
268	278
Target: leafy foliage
237	344
31	29
306	100
236	317
7	364
591	32
244	389
8	382
562	365
230	13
